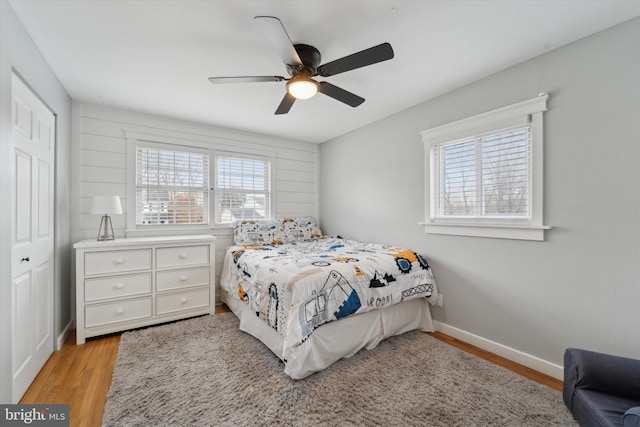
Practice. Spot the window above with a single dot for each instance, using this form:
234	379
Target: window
172	187
242	190
485	174
184	186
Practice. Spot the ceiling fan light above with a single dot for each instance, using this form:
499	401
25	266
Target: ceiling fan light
302	88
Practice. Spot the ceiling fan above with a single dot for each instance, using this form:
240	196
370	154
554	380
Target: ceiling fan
303	63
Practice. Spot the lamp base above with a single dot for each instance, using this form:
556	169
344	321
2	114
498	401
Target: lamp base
105	232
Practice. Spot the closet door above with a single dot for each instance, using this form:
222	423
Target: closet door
32	201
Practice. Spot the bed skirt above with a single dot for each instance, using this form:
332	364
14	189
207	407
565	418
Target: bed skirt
339	339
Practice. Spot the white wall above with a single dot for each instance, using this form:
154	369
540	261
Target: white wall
581	287
18	53
100	165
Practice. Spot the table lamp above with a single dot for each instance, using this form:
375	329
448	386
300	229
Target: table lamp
105	205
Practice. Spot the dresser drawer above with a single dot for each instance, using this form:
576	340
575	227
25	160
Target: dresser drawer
116	261
182	256
175	279
117	286
167	303
119	311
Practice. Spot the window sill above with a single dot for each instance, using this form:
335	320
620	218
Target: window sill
506	231
169	231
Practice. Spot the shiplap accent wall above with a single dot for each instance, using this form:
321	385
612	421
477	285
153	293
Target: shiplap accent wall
100	166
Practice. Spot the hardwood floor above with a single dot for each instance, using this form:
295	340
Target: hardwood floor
81	375
519	369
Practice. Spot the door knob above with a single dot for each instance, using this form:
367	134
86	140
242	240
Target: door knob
27	259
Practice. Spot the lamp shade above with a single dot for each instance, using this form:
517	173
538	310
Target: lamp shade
105	205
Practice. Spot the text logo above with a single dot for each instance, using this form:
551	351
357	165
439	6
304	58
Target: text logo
34	415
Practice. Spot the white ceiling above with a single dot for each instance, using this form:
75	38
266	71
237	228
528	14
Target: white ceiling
155	56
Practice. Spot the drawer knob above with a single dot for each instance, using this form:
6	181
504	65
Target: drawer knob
119	261
120	311
183	301
119	286
183	278
182	256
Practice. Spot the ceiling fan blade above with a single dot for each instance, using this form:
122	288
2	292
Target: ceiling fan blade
285	104
245	79
340	94
373	55
277	36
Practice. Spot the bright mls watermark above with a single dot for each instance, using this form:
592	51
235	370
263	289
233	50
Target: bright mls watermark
34	415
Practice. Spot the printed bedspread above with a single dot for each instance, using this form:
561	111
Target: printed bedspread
298	287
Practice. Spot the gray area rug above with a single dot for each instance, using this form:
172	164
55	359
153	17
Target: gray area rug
206	372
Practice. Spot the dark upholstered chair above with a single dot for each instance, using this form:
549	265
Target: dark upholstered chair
601	389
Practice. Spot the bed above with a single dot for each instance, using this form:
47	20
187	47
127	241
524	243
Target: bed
315	299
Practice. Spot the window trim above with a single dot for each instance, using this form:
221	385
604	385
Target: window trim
526	112
138	230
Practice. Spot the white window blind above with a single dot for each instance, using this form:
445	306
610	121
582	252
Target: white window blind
243	189
172	187
484	176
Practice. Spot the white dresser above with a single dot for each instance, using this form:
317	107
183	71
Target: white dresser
129	283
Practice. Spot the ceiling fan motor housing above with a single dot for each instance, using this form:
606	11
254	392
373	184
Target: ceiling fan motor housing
310	57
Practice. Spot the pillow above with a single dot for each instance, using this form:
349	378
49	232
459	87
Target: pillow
258	232
301	229
631	418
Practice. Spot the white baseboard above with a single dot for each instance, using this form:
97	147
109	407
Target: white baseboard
63	336
533	362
